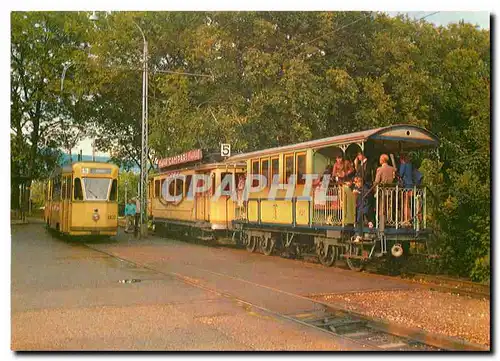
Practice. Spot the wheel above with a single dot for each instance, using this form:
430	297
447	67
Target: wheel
356	264
267	245
327	258
251	244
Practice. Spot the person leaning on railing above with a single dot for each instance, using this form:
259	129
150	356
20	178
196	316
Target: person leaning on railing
385	175
406	176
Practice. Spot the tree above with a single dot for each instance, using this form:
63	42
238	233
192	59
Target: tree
41	115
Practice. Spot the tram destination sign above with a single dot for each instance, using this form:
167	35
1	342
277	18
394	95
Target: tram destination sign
190	156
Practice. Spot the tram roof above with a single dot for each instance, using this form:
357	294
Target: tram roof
410	134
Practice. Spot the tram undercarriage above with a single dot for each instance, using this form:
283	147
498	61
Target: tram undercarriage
329	246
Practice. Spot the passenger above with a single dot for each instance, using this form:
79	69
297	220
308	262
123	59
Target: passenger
348	171
406	176
129	216
361	167
240	188
362	203
338	172
406	171
385	173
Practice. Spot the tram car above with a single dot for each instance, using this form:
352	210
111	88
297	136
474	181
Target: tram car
81	199
327	226
199	214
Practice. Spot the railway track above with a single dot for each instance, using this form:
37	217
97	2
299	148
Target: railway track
368	333
431	282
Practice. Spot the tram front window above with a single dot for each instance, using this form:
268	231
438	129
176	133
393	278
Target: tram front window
96	189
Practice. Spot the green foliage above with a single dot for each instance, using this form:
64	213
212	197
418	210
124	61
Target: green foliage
127	181
272	78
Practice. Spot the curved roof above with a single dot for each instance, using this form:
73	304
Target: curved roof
400	132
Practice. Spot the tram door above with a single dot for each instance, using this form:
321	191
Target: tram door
203	203
66	204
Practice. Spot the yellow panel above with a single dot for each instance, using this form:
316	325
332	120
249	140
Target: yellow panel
253	211
349	206
277	211
302	213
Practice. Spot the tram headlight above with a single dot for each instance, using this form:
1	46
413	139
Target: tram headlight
96	217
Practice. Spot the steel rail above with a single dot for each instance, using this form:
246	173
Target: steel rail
412	334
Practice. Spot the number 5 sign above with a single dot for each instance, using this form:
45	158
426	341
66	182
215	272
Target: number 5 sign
225	150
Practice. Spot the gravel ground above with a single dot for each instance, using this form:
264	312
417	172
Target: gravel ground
443	313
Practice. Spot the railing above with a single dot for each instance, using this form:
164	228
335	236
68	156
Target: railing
328	207
392	207
399	207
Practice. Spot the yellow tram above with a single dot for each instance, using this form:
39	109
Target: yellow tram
201	213
82	199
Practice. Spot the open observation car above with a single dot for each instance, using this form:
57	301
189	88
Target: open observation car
328	225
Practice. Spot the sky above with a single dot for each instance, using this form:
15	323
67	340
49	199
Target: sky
479	18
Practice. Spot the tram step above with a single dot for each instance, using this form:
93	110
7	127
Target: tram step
336	323
388	346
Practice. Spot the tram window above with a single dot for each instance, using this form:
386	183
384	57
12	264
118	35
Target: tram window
227	186
162	188
275	168
96	189
255	171
179	186
264	169
171	188
78	192
157	188
56	195
68	188
112	193
301	168
189	179
288	167
63	191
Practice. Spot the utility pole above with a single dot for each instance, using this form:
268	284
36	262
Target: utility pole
126	188
93	150
143	184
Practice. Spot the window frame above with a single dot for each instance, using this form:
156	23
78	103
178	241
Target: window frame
271	168
262	160
255	182
297	155
75	188
285	166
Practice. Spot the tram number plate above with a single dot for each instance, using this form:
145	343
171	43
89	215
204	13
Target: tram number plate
112	216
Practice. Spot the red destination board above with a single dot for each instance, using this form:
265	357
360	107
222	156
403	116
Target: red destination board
190	156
